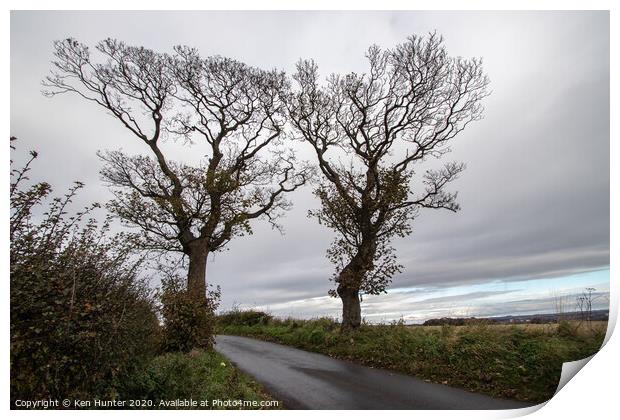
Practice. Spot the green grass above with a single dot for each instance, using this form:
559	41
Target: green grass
198	375
502	361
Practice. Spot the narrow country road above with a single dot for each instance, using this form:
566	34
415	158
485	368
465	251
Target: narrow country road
304	380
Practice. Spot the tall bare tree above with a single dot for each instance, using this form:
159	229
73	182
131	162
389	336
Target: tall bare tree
238	111
368	132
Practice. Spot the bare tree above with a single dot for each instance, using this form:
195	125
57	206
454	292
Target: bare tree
237	110
368	131
584	304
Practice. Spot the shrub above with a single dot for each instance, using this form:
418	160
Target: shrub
81	318
317	336
247	318
189	320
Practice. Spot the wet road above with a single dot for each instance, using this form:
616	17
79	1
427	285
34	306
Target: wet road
304	380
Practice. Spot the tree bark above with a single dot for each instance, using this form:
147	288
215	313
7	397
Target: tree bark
197	273
350	281
351	310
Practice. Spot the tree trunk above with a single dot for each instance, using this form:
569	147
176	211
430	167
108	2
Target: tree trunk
349	282
197	273
351	310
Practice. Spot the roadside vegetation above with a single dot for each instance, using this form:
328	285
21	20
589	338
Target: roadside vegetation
507	361
84	323
199	375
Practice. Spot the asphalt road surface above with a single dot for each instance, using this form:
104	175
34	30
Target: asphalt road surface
305	380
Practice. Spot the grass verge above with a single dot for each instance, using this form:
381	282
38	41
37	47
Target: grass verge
502	361
172	379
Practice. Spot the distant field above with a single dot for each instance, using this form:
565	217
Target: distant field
584	328
520	361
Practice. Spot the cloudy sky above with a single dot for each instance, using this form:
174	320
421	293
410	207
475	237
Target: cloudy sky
535	196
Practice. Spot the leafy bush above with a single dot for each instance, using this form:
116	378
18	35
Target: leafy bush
317	336
247	318
189	319
81	318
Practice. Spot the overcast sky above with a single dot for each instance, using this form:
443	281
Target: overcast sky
535	195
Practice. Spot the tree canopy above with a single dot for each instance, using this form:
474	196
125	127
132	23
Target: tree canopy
237	110
368	131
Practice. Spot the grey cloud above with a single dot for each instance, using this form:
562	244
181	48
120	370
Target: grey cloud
465	296
535	195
